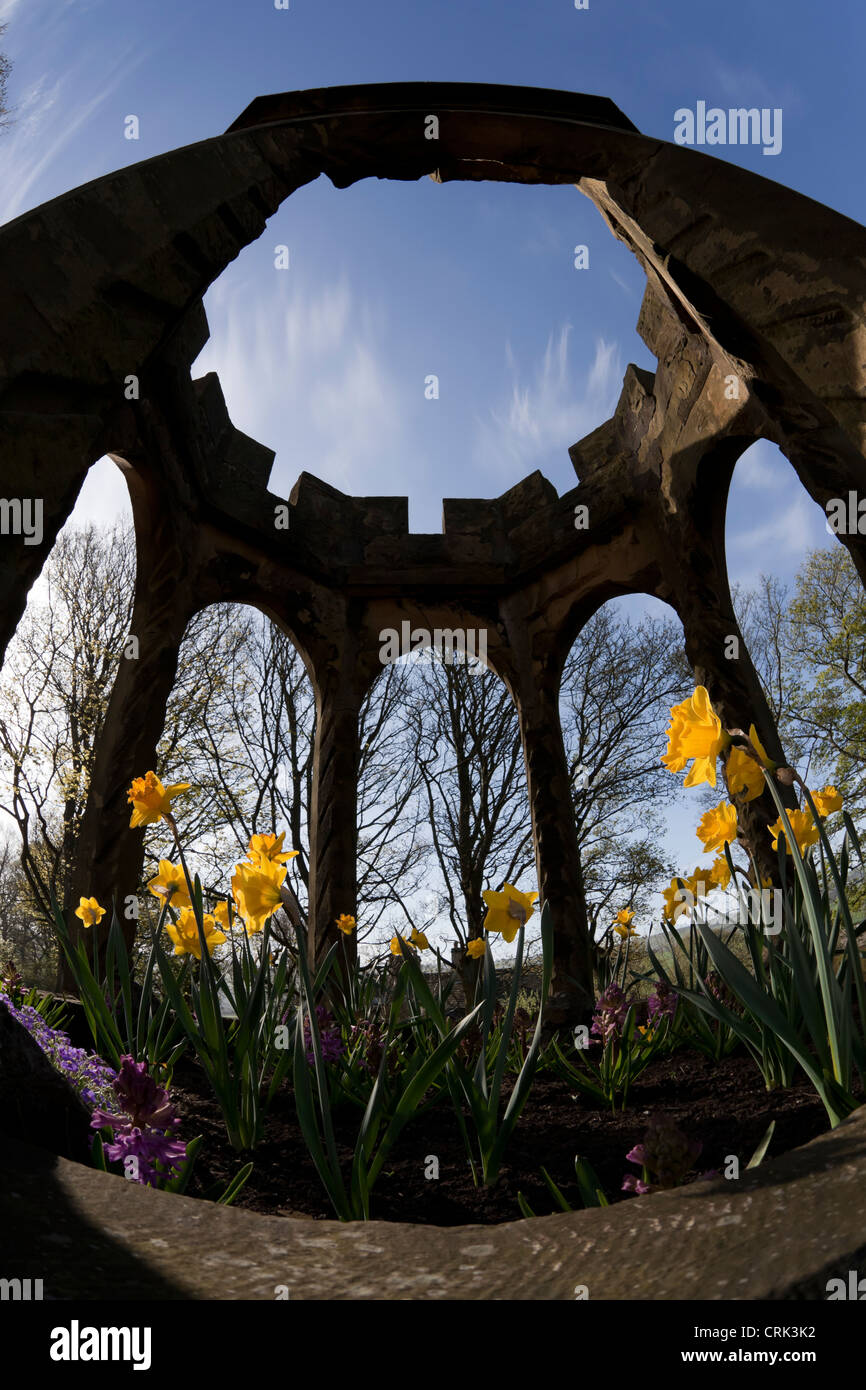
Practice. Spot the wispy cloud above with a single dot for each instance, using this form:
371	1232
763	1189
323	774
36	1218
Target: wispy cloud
54	101
762	466
308	375
785	535
563	402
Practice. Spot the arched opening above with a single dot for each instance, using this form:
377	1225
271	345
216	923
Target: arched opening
802	611
447	773
624	671
451	324
57	676
239	728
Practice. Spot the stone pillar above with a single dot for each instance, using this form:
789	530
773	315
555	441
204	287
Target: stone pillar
45	462
109	855
732	683
557	854
333	817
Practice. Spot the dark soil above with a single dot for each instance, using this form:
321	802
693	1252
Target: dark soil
724	1105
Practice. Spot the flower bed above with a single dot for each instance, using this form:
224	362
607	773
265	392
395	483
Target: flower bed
724	1106
362	1092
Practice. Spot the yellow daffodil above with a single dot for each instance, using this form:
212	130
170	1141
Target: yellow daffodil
693	884
760	749
718	827
396	944
695	734
674	904
171	883
827	801
268	849
622	923
508	910
719	875
419	940
151	801
256	891
346	923
743	775
699	885
476	947
221	914
89	912
185	934
803	826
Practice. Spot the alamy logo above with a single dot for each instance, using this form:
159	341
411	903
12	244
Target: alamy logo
446	642
855	1288
22	516
737	126
20	1290
75	1343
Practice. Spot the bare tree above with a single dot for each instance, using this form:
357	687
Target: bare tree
56	679
619	683
5	72
467	743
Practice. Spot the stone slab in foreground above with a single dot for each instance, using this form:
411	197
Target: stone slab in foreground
780	1232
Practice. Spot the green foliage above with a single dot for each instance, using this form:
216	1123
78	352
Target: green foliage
797	1002
148	1032
237	1055
588	1185
386	1115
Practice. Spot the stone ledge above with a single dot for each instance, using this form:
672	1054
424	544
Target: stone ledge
778	1233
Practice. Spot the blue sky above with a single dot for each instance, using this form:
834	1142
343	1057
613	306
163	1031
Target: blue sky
388	282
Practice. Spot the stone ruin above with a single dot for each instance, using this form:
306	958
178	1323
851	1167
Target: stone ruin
753	307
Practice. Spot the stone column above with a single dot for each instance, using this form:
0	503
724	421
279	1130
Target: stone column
557	854
109	855
732	683
342	674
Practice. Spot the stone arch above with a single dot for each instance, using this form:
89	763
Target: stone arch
745	280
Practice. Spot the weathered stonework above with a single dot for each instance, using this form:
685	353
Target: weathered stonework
91	1235
747	281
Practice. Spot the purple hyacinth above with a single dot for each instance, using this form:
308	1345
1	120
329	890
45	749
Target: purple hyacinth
140	1150
329	1036
632	1183
91	1077
610	1014
145	1130
144	1103
662	1004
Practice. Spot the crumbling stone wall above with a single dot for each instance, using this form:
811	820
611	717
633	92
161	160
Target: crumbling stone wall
754	308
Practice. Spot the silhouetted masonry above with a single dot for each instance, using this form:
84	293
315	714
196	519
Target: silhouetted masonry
747	283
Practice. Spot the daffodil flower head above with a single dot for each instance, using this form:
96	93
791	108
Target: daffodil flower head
398	942
171	883
256	892
760	749
718	827
803	827
89	913
186	937
508	910
695	735
743	775
268	849
827	801
151	801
